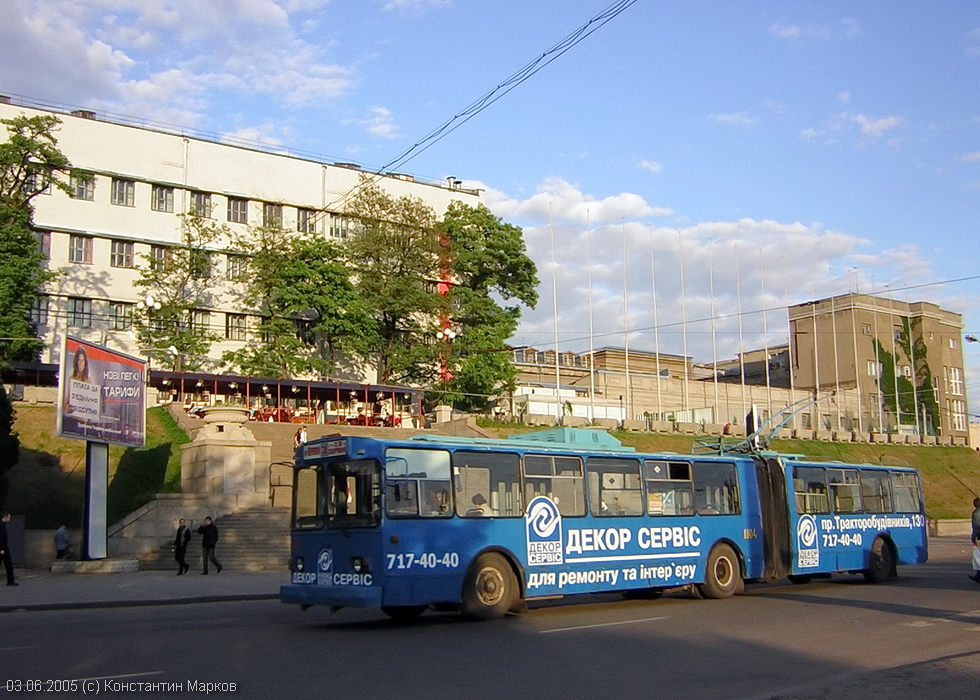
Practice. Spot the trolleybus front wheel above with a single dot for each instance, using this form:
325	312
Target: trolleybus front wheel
722	576
489	589
881	563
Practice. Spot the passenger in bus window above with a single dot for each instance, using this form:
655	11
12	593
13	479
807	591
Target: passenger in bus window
480	506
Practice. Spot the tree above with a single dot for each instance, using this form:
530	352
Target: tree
489	260
179	284
30	163
394	256
300	286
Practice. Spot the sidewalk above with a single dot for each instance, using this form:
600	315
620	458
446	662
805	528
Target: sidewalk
42	590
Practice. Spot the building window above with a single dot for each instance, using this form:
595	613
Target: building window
80	249
235	268
958	411
162	199
36	183
201	204
956	381
79	312
122	254
43	239
952	343
39	310
200	322
200	263
874	368
159	257
907	371
272	215
83	187
120	316
866	329
237	210
338	226
306	221
123	192
235	326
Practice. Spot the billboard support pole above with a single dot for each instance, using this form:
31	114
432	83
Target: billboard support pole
94	529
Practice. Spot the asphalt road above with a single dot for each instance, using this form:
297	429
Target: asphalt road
917	637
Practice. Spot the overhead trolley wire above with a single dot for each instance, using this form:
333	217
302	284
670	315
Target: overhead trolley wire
515	80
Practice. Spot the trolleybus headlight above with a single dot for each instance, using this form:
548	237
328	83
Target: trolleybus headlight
360	565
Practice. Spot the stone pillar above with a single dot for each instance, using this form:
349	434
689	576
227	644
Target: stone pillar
225	463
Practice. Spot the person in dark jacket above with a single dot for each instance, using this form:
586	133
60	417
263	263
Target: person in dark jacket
180	547
8	560
209	534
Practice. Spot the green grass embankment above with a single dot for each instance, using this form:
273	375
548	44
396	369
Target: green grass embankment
48	483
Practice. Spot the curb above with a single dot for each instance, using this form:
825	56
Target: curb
89	605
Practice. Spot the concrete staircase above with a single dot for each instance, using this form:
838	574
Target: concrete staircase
250	540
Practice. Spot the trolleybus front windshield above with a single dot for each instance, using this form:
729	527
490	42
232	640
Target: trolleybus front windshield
346	494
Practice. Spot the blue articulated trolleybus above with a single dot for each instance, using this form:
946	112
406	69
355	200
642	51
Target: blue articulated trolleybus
483	525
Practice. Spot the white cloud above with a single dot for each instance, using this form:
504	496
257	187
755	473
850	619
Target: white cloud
740	119
253	135
851	26
165	59
651	165
560	200
971	157
874	128
381	123
786	31
777	263
871	128
413	6
794	31
844	97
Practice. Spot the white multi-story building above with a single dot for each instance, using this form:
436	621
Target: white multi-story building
143	179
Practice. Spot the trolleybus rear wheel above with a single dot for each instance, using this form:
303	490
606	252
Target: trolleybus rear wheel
881	562
489	589
722	576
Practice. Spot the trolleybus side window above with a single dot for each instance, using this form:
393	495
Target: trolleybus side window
906	487
845	492
307	504
876	491
614	486
810	487
488	483
669	488
417	483
557	477
716	488
353	491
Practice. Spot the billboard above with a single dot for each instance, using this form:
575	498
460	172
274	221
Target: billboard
102	395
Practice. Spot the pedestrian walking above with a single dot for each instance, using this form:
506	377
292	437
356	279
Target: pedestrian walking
209	540
62	543
180	547
8	559
300	437
974	536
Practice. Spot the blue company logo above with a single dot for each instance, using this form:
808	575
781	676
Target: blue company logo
543	525
324	561
806	540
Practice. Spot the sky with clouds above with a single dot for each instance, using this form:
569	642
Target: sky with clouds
709	156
